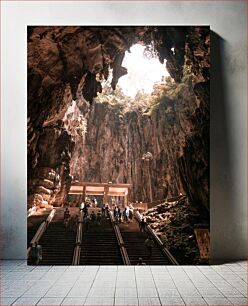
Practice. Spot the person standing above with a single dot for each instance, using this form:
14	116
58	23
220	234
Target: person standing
130	215
142	225
39	249
107	209
141	262
87	223
103	210
66	217
66	213
124	215
98	218
149	245
36	253
33	254
93	216
119	214
127	213
116	215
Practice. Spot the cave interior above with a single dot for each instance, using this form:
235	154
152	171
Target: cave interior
82	127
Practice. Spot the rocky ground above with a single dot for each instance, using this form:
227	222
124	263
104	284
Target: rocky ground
174	223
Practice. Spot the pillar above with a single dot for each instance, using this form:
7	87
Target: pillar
84	194
105	197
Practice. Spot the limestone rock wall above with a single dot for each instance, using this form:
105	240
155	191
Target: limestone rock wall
115	143
66	61
63	62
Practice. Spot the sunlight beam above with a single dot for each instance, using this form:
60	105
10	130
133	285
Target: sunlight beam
142	72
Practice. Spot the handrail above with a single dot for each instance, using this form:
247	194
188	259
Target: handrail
120	241
51	215
43	226
157	239
78	242
79	233
76	255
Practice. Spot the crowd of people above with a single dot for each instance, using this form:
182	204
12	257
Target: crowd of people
120	214
124	215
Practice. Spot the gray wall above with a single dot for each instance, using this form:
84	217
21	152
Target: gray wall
228	105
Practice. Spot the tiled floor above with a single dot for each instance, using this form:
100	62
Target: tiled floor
132	285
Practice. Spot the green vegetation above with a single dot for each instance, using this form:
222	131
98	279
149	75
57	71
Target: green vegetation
147	104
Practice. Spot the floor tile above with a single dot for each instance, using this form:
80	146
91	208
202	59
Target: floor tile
126	283
124	276
165	292
239	301
123	301
168	301
37	291
108	268
230	292
73	301
99	301
189	292
149	301
106	275
79	291
91	269
126	292
15	275
194	301
27	301
102	292
217	301
210	292
147	292
103	283
125	268
50	301
71	285
58	291
42	268
84	280
12	293
75	269
145	283
4	301
165	284
58	268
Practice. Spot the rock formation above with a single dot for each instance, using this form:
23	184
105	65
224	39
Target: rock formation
65	63
174	222
171	130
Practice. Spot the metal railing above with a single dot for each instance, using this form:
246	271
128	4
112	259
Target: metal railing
78	242
76	255
120	241
42	228
155	237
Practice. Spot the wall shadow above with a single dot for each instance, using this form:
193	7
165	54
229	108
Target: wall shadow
224	231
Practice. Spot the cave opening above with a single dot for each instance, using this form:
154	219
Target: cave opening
143	70
123	105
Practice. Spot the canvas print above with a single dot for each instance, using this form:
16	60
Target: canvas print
118	145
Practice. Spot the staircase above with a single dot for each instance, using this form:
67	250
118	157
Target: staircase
99	245
57	242
134	242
